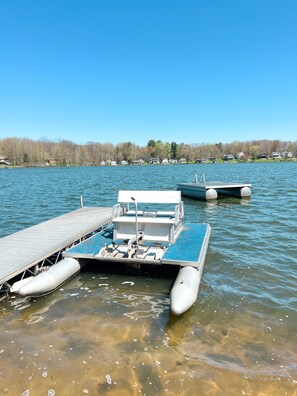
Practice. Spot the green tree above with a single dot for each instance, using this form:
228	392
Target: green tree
173	150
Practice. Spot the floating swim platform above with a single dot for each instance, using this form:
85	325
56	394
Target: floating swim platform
214	190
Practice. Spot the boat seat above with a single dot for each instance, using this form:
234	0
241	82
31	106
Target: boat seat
149	197
150	213
156	197
152	228
153	225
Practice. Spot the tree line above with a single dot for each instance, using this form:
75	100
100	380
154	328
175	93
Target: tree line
27	152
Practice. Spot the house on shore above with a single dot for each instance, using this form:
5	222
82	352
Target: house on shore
53	161
138	162
276	154
286	154
155	161
4	160
228	157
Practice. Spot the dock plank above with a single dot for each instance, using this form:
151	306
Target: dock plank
24	249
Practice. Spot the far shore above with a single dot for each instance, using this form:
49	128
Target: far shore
219	161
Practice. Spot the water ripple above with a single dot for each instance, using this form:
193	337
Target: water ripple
241	331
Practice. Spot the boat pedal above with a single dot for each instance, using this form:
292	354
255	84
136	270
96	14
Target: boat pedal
109	249
140	251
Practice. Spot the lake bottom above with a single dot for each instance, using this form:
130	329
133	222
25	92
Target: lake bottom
113	334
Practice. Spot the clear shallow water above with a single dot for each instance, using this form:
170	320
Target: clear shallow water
110	332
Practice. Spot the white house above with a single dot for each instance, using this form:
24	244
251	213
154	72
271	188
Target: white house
276	154
286	154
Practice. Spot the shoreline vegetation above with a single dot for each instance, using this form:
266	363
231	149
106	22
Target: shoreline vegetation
218	161
23	152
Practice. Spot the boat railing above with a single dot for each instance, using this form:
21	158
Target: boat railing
201	180
116	211
179	213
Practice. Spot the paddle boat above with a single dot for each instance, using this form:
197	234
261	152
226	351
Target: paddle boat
147	228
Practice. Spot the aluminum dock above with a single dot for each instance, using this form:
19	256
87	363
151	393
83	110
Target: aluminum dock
214	190
25	249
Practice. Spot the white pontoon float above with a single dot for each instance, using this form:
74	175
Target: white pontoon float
147	234
31	261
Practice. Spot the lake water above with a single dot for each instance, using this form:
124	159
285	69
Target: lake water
109	331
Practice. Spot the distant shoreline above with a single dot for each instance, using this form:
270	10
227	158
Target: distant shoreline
263	161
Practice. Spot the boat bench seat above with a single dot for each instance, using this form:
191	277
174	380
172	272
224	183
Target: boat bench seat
155	197
153	225
150	213
151	228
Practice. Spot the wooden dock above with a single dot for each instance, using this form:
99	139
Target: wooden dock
24	249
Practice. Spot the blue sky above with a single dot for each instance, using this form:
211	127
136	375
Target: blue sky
126	70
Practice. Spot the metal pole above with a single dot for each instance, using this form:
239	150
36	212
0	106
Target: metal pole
136	220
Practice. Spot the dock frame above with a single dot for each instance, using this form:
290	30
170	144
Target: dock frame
31	248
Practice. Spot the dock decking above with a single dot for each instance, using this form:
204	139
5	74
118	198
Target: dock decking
22	250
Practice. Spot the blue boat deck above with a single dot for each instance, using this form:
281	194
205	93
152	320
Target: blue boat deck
189	249
92	246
